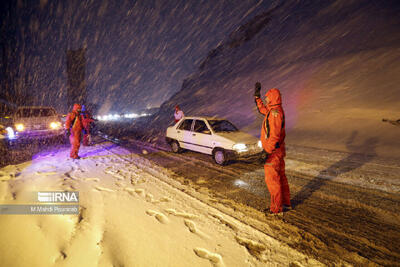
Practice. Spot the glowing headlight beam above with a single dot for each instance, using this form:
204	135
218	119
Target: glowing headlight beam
55	125
240	147
10	133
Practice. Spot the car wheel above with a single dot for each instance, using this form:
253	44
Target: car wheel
220	157
175	147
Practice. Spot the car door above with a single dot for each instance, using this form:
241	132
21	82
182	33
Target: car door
202	137
184	134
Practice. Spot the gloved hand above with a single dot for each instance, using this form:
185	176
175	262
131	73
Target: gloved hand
257	89
264	156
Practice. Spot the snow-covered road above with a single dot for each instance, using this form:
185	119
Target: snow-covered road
132	213
141	206
345	204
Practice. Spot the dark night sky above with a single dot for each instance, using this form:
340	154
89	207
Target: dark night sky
138	52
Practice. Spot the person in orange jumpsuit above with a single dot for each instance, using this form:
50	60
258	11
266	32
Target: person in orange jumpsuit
273	142
87	121
74	126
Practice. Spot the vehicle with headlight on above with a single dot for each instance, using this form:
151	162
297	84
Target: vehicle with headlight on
34	122
213	136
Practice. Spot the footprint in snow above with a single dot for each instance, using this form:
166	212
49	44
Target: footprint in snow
214	258
99	188
119	184
68	173
254	248
6	177
139	191
165	199
46	173
115	174
92	179
181	214
131	191
193	229
47	170
225	221
149	198
158	215
141	181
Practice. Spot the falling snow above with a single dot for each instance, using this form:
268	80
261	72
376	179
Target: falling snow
337	64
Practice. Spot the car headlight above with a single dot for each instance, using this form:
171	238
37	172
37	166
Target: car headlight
240	147
55	125
19	127
259	144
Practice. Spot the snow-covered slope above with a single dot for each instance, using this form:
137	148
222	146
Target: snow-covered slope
335	62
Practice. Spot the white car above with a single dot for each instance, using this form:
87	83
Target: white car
31	122
213	136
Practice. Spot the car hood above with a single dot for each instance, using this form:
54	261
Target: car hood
238	137
32	120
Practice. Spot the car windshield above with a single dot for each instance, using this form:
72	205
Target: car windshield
35	112
222	126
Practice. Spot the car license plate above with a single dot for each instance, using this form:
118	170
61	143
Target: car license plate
36	126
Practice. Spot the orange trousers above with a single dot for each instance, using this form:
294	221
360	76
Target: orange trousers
277	183
86	140
75	140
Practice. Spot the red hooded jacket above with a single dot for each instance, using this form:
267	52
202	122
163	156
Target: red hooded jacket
87	121
273	127
74	120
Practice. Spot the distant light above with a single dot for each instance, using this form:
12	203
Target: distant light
20	127
240	183
10	133
109	117
131	115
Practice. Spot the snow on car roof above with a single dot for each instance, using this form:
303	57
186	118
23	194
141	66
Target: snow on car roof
204	117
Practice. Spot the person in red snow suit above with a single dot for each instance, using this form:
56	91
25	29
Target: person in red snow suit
87	121
178	113
74	126
273	142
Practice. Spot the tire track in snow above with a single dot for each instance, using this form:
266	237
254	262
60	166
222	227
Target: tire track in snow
156	172
303	220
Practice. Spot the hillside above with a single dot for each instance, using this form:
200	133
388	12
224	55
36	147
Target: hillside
336	64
